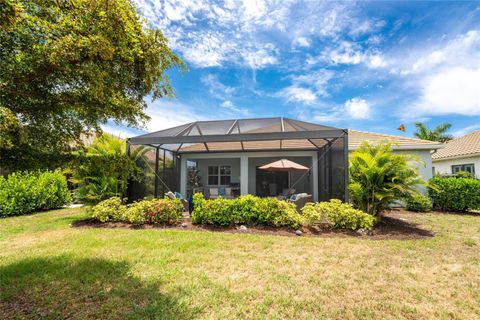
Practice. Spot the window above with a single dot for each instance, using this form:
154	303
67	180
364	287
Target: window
463	167
213	175
219	175
225	175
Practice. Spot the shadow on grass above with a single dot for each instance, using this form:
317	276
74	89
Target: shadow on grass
69	288
397	228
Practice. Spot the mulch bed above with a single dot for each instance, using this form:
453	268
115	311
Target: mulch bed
395	225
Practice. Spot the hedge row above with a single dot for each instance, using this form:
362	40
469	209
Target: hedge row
455	194
25	192
338	215
248	210
165	211
251	210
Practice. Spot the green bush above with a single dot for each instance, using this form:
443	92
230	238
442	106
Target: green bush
109	210
145	211
166	211
454	194
25	192
248	210
418	203
380	177
103	170
337	214
137	212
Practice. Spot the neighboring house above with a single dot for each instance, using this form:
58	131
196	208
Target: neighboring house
423	149
228	154
460	154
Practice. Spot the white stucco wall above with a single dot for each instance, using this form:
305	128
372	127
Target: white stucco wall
445	166
203	164
425	168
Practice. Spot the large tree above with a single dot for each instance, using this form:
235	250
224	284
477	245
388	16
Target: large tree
67	66
439	133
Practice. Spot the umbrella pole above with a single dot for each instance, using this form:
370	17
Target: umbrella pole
289	180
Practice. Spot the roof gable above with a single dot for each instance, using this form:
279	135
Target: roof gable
464	146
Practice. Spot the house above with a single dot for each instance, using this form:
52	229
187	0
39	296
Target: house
460	154
228	154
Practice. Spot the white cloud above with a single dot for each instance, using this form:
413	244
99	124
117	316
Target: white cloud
248	33
464	50
464	131
451	91
170	113
316	81
295	93
216	87
377	61
357	108
350	53
120	131
301	42
229	105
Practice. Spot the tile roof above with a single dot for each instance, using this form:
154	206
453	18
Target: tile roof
464	146
356	137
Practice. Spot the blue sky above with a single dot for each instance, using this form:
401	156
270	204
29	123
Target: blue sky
361	65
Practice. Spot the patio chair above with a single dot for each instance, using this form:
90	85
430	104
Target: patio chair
213	193
300	200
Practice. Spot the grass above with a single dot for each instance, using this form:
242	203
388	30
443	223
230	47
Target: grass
49	270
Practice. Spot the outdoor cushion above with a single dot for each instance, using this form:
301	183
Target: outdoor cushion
178	195
221	191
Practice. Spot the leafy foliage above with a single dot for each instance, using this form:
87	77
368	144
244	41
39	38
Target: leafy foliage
165	211
68	66
438	134
379	177
248	209
464	174
455	194
9	128
418	203
108	210
338	215
104	169
25	192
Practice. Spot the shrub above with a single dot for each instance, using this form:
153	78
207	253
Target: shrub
145	211
165	211
25	192
103	170
248	209
338	214
455	194
380	177
418	203
109	210
137	212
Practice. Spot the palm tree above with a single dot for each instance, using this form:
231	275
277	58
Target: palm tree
437	134
379	177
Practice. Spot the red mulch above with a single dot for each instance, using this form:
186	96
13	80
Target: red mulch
395	224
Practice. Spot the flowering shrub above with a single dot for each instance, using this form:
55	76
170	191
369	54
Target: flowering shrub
145	211
337	214
165	211
25	192
248	209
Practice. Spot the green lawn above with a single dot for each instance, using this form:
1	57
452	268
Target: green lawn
49	270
